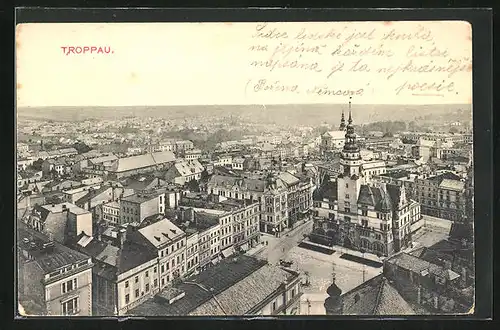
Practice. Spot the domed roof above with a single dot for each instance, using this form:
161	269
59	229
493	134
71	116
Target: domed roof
333	290
332	305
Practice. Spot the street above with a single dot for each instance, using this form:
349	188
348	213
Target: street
278	248
433	231
316	267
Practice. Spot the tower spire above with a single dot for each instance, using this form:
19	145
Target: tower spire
342	121
350	114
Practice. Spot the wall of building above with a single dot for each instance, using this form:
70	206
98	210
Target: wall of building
136	285
83	291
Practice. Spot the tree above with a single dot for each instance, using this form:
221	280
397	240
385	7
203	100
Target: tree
388	134
37	164
204	176
193	185
81	147
453	129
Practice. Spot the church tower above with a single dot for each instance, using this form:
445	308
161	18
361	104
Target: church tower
350	159
351	177
342	122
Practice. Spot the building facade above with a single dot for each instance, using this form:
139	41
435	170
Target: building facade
53	279
371	217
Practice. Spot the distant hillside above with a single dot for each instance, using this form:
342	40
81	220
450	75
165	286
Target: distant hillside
285	114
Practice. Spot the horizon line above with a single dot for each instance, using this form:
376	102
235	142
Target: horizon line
232	105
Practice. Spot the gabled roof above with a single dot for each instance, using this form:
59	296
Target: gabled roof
112	260
161	232
218	290
186	168
338	135
376	296
102	159
377	197
328	189
141	161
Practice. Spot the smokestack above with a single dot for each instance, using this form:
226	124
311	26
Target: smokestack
122	234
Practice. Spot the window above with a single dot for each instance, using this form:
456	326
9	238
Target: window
136	293
163	268
364	212
147	287
69	286
156	282
293	293
274	306
127	298
70	307
126	284
147	273
137	279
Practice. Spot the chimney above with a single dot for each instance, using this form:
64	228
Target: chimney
190	214
122	234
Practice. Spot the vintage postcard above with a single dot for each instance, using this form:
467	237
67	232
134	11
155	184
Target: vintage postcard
187	169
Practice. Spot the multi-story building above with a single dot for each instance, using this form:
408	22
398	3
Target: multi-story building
192	252
236	286
111	212
60	221
137	207
124	274
52	279
442	196
375	217
270	192
373	168
238	220
299	196
184	171
181	146
192	154
169	243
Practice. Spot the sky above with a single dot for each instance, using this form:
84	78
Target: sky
211	63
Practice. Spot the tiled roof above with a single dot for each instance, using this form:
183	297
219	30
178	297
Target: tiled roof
112	260
452	184
141	161
161	232
328	189
375	297
102	159
338	135
414	264
201	288
377	197
186	168
395	193
257	286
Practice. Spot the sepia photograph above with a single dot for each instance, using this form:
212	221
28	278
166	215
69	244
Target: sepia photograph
244	169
